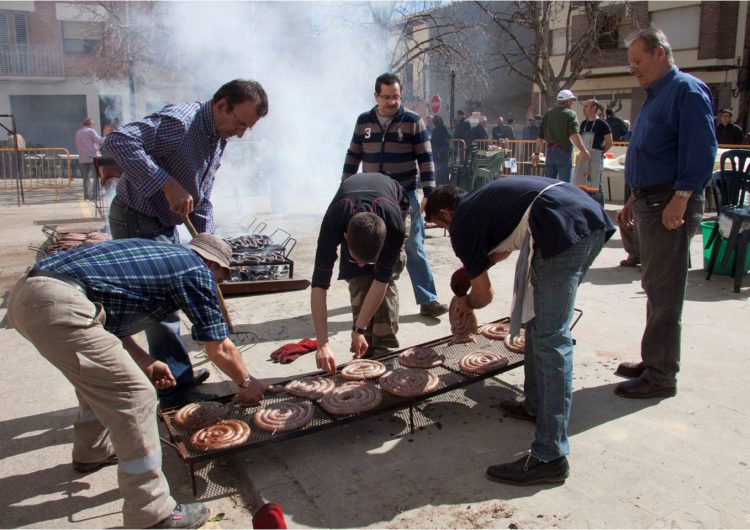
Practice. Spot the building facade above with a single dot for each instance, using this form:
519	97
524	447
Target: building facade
709	40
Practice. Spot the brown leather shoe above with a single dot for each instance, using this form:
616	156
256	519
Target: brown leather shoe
628	369
642	389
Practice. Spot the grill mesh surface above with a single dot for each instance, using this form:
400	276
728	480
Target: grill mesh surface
450	379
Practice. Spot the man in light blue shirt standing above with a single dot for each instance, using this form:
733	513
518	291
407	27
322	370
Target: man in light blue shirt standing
668	163
87	142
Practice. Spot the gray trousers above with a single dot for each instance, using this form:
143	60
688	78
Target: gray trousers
629	243
664	260
117	401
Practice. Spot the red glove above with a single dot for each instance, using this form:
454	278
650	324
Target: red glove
460	282
269	516
289	352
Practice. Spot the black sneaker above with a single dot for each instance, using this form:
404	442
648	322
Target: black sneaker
183	399
515	409
90	467
529	470
433	309
185	516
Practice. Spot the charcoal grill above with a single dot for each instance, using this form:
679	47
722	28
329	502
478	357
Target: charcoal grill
449	375
56	236
260	263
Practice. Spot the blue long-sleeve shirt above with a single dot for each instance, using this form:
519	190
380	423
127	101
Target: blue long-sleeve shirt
673	140
178	141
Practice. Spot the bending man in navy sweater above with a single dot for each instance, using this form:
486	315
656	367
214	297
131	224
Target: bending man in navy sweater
559	230
366	218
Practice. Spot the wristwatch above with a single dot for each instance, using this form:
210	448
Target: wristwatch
358	331
246	382
684	194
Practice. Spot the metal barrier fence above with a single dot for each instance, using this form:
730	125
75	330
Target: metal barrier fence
38	168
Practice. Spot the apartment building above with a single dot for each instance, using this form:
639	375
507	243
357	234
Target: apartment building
45	81
709	39
61	62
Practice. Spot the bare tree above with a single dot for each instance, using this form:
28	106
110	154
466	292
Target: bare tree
133	43
414	34
432	31
532	18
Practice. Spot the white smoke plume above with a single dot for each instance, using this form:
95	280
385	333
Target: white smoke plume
317	63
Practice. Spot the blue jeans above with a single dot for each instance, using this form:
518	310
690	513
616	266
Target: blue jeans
664	259
164	342
558	164
548	355
420	273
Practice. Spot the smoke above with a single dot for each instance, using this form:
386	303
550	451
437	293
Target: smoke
318	63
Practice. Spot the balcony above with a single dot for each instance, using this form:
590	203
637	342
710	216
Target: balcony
32	61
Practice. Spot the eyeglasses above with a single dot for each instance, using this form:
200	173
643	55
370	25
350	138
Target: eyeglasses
390	98
238	123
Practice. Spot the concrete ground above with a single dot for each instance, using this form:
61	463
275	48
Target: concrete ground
679	462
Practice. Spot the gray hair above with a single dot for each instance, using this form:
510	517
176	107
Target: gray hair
652	38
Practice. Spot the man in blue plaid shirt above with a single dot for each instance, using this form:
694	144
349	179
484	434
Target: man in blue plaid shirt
81	308
169	160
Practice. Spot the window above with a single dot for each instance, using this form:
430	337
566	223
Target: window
81	37
611	31
558	41
14	43
681	25
607	31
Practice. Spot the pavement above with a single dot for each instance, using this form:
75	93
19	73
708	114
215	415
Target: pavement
681	462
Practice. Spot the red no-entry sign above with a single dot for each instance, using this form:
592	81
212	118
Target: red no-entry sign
435	104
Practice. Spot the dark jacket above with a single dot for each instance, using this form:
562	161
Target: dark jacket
441	144
729	134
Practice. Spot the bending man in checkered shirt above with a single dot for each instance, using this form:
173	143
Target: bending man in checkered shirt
81	309
169	160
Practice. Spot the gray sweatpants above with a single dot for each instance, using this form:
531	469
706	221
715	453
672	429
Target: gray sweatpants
117	401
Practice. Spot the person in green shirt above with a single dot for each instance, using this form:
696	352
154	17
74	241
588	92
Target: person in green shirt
559	128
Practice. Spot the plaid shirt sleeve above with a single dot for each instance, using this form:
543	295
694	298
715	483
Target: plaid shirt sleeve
137	146
196	294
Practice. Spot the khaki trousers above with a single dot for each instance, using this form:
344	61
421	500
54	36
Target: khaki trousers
117	401
383	328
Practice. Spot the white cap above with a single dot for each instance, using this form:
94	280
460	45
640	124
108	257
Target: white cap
565	95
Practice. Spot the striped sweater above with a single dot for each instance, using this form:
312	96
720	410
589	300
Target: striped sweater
398	152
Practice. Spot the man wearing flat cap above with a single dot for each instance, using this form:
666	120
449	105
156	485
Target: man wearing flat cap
559	129
81	309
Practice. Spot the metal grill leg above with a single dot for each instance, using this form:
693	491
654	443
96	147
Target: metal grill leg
192	477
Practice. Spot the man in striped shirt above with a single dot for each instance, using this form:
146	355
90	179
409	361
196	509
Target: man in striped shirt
393	140
169	160
81	309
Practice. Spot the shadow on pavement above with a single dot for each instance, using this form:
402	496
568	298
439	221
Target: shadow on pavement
352	466
26	435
